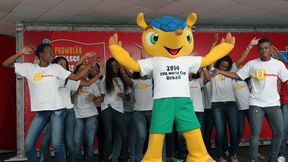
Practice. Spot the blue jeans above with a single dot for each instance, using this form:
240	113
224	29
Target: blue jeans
38	124
69	123
284	108
142	120
201	119
85	131
222	112
241	123
275	120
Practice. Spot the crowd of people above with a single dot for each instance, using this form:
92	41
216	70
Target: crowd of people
115	106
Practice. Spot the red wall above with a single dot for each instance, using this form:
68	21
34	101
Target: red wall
8	96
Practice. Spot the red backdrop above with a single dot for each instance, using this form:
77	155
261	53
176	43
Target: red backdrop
8	97
72	43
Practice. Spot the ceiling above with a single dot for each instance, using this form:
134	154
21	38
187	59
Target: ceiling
123	12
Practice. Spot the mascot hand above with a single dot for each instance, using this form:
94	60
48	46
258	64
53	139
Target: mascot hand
113	40
219	51
229	39
121	55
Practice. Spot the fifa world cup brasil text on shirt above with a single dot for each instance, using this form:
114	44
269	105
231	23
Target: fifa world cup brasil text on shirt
170	74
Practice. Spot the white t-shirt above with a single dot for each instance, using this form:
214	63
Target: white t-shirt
85	107
65	91
43	84
112	99
241	91
264	76
143	95
222	90
170	74
196	94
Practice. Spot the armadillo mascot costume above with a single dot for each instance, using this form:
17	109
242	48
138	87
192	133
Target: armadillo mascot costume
169	41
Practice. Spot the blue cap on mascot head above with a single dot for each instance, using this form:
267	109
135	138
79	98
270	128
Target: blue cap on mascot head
168	23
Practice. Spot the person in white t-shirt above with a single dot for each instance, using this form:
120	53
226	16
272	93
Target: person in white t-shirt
45	99
209	120
264	99
241	91
142	110
113	90
196	83
224	109
65	89
86	100
130	126
95	70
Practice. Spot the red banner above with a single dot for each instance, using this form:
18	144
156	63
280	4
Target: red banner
73	43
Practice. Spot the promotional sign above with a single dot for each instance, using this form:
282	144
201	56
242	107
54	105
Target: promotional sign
71	44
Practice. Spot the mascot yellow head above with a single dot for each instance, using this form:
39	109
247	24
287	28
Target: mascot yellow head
167	36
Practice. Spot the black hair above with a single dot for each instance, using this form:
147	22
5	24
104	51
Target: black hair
56	60
136	75
41	48
196	76
225	58
264	40
110	75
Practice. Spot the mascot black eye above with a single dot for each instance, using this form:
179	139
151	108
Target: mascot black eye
189	37
151	38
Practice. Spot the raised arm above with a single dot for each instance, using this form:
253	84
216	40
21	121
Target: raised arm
90	81
9	62
219	51
121	55
215	40
84	71
84	58
232	75
253	42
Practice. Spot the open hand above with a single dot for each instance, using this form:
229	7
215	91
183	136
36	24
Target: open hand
114	40
90	54
254	41
28	50
229	39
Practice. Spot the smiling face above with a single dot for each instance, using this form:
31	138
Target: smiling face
167	36
168	44
46	55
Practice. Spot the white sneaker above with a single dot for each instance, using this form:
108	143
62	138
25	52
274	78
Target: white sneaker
281	159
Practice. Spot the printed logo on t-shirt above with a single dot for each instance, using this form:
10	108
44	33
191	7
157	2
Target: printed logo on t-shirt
239	86
261	74
220	78
173	72
143	86
37	76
